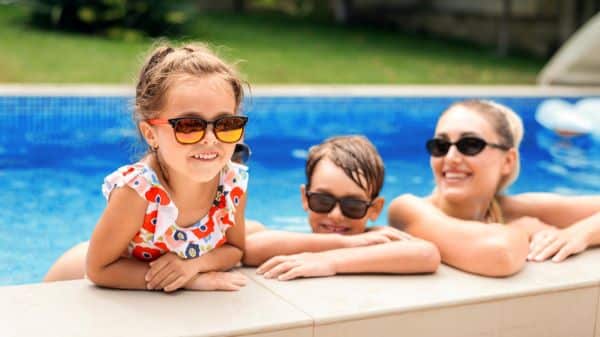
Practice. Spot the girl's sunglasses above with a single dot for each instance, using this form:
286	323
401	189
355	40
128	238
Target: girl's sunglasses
191	130
325	202
469	146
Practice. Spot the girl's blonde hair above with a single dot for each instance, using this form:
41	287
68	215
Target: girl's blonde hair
509	127
167	63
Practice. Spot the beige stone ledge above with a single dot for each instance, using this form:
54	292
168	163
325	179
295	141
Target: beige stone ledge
545	299
320	90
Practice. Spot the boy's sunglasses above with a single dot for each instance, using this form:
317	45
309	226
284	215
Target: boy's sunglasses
325	202
191	130
469	146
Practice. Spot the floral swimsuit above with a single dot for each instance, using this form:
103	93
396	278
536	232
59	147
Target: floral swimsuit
159	233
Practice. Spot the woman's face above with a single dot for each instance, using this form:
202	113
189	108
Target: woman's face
209	98
463	178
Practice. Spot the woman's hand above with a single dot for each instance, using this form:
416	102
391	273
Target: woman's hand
216	280
559	243
169	273
288	267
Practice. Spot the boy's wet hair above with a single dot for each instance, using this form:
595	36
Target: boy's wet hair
356	155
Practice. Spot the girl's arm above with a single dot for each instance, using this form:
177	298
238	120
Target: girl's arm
398	257
264	245
476	247
118	224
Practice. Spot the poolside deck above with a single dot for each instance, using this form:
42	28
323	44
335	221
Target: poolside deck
545	299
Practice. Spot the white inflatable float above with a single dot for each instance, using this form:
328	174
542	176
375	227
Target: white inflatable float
568	119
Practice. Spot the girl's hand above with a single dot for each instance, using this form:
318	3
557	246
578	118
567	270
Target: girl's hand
377	235
215	280
169	273
560	243
288	267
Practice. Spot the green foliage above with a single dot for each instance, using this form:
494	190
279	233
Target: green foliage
129	19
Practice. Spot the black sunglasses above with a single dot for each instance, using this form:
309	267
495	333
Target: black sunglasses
191	130
469	146
324	202
241	154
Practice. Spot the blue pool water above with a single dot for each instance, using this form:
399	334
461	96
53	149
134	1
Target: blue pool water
55	152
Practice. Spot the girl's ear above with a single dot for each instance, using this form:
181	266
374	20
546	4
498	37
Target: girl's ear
149	134
376	208
303	196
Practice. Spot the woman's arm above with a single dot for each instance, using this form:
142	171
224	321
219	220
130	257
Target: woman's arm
476	247
398	257
119	223
553	209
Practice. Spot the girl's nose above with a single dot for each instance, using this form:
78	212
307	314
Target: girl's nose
209	137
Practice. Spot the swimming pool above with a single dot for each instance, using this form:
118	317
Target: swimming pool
55	151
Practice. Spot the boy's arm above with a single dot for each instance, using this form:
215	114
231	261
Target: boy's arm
398	257
264	245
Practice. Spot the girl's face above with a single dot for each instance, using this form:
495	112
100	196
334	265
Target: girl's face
463	178
209	98
330	179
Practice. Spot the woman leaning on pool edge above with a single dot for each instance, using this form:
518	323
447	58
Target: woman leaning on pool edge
474	158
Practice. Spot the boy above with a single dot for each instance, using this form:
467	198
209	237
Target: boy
344	177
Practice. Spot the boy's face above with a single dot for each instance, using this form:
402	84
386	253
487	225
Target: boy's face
330	179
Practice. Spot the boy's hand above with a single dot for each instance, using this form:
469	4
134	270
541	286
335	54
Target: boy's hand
288	267
215	280
169	272
377	235
560	243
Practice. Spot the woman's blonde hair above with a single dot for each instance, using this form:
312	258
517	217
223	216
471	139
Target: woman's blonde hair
509	128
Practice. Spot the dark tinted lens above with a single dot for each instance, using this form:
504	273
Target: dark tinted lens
230	123
189	130
321	203
241	154
354	208
470	146
189	125
438	147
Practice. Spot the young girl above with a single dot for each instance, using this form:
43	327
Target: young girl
344	176
176	216
474	157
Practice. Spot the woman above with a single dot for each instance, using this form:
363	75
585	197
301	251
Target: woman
474	158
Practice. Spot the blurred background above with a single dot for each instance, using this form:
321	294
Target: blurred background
293	41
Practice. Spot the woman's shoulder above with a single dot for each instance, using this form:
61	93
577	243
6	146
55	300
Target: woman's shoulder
408	207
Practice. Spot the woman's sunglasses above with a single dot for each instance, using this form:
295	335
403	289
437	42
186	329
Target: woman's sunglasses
469	146
191	130
325	202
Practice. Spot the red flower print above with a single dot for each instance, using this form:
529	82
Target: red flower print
138	238
225	220
150	221
145	253
221	242
236	195
129	170
204	229
162	246
157	195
